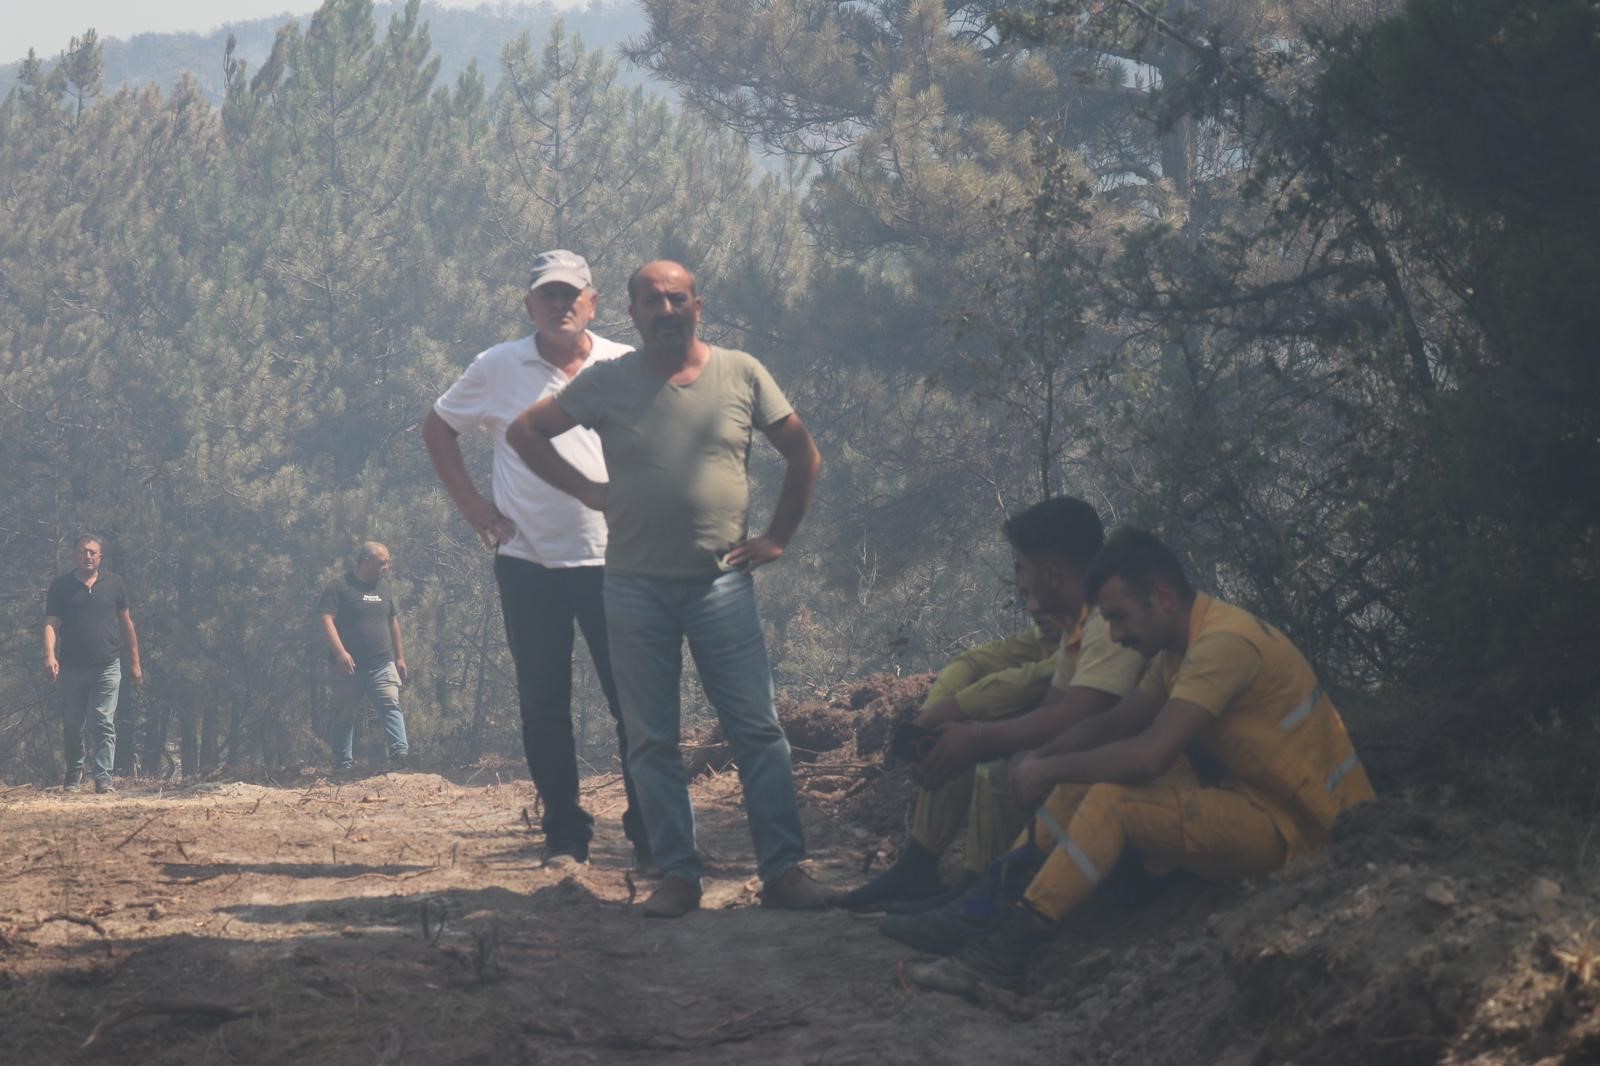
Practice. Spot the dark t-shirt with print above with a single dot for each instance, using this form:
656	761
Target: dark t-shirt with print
361	612
91	622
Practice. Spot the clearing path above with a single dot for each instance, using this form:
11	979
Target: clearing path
406	919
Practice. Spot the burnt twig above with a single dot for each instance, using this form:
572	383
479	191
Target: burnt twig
216	1013
75	919
142	827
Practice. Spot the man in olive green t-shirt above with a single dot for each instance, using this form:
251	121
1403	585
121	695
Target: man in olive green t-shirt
676	420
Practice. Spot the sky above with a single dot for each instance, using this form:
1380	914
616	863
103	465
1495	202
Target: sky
47	25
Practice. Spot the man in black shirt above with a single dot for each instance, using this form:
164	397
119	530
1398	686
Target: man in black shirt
87	628
363	630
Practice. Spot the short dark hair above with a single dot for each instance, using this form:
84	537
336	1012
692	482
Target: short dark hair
1062	527
84	538
1140	560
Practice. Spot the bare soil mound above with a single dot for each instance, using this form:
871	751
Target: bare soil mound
405	919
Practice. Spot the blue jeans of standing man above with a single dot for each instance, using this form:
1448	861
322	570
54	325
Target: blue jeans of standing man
648	619
89	699
379	685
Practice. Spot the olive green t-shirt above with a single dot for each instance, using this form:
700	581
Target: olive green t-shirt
676	456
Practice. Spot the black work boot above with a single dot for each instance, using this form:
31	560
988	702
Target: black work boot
998	958
946	930
969	884
914	875
1002	956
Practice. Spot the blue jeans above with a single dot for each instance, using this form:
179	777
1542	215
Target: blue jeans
379	685
89	698
648	619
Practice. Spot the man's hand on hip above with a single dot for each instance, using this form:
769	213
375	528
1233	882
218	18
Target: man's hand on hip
749	554
492	527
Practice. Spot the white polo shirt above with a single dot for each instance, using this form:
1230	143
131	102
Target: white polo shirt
553	529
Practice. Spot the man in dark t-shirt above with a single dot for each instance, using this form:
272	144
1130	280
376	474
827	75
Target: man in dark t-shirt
362	626
87	629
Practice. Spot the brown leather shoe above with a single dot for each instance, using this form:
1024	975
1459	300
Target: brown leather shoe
673	898
796	890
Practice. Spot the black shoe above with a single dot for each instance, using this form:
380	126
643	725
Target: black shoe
563	856
914	875
71	782
944	931
1004	881
999	958
102	786
1002	956
963	888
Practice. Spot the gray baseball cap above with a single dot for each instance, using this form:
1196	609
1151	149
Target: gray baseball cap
560	265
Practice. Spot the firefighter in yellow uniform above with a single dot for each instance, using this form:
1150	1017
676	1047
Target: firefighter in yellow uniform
1053	542
1002	692
995	679
1223	679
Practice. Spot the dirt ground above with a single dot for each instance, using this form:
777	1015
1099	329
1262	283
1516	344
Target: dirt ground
405	919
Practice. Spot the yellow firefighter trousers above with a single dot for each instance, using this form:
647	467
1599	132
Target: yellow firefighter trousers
970	797
1215	832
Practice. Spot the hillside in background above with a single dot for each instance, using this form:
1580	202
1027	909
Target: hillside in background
460	35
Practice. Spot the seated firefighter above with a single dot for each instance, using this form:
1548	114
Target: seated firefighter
1222	679
1053	543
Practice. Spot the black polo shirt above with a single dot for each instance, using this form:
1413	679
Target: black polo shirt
361	613
91	623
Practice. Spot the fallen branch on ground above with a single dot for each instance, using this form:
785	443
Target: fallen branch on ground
835	770
215	1013
142	827
75	919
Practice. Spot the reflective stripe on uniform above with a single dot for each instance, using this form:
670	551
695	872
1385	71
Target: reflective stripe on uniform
1084	864
1339	772
1292	720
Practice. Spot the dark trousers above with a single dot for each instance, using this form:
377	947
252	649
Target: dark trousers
540	604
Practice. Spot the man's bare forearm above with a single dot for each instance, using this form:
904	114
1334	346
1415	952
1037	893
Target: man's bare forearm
331	632
794	496
539	452
131	636
1126	719
444	449
1121	762
1061	710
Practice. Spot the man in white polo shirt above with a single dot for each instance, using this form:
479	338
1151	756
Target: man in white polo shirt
549	548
